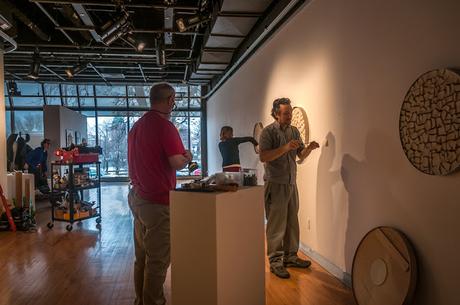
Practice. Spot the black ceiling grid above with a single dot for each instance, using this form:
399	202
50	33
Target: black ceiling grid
131	41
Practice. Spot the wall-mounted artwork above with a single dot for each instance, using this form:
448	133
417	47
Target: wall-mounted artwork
300	120
69	137
77	138
258	127
429	122
384	259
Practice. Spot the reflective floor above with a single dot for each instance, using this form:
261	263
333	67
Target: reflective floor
94	267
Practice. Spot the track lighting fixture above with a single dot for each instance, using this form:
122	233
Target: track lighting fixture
185	24
138	45
113	30
160	52
71	72
35	66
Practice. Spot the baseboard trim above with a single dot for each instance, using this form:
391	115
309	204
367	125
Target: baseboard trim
342	276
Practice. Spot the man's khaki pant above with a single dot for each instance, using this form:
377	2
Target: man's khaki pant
282	230
152	249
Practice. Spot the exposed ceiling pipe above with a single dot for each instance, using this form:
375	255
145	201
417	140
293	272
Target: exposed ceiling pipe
109	4
98	73
86	19
13	45
52	72
142	72
89	48
54	22
24	19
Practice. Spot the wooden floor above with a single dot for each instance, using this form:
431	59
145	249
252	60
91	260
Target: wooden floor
94	267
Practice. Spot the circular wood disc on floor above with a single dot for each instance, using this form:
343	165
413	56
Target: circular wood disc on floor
258	127
429	122
384	269
300	121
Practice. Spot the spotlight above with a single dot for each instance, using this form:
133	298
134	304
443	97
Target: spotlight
35	67
71	72
138	45
169	2
160	52
116	29
110	39
185	24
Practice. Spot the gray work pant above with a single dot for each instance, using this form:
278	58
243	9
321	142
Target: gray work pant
282	230
152	249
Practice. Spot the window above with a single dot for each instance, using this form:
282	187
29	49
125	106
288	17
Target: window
30	122
52	90
141	102
30	89
8	123
143	91
111	91
189	126
113	138
110	112
111	102
85	90
53	100
21	101
86	101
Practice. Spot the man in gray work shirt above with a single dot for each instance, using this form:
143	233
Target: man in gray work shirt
280	144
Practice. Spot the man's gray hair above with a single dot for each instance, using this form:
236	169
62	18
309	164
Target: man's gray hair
160	92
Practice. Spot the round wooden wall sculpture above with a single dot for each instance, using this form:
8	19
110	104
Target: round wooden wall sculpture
300	120
258	127
384	269
429	123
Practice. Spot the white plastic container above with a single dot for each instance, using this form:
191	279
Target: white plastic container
229	177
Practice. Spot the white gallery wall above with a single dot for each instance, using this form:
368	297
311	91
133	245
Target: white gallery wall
349	64
58	119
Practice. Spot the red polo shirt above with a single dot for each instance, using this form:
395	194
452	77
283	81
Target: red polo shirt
151	141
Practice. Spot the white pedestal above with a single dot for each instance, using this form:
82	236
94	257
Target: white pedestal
217	248
10	192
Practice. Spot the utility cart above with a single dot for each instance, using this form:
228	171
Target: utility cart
70	187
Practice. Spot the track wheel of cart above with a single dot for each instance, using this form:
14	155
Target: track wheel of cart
50	225
98	220
68	228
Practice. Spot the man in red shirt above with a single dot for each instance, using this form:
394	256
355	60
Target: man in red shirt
155	152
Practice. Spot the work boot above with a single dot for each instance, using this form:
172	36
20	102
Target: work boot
280	271
296	262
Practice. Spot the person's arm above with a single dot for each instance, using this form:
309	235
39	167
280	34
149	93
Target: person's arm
177	162
178	157
273	154
307	150
241	140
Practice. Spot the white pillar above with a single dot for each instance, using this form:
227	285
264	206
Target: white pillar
2	125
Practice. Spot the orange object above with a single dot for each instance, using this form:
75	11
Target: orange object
66	156
7	210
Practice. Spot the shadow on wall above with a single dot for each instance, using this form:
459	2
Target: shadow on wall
371	202
331	212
